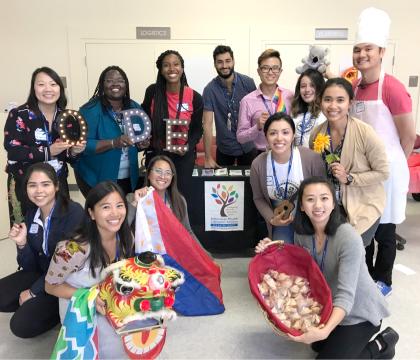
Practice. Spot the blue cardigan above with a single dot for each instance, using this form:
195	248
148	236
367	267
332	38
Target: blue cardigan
94	168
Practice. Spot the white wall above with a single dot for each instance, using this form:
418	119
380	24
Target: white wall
55	33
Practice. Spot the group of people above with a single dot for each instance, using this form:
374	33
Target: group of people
328	168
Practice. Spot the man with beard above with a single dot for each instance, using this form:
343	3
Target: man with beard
221	99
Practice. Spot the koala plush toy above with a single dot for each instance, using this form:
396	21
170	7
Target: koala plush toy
316	60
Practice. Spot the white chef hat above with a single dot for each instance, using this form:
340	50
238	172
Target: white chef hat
373	27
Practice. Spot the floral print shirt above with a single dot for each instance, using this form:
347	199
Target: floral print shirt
27	141
69	257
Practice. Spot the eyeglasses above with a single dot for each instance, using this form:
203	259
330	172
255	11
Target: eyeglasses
163	173
115	81
266	69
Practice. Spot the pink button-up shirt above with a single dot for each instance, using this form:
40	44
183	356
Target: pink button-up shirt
250	110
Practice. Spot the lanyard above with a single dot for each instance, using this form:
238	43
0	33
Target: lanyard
46	128
321	266
266	105
117	248
46	231
117	116
284	197
329	134
230	100
302	128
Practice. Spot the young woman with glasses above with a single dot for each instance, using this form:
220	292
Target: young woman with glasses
161	175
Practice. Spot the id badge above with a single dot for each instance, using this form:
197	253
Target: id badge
184	107
40	135
360	107
57	165
34	229
229	122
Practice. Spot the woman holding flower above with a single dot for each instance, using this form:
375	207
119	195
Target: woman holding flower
355	159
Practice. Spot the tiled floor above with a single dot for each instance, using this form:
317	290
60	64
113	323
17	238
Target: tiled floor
242	332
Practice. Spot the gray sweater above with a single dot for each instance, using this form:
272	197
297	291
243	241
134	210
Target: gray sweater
345	270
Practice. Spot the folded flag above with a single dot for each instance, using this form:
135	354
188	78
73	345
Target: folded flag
78	337
158	230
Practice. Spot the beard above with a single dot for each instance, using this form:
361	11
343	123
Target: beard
225	76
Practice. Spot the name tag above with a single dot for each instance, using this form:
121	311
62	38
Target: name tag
40	135
34	229
57	165
360	107
184	107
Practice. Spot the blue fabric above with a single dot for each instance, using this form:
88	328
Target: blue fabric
94	168
215	100
285	233
77	337
192	298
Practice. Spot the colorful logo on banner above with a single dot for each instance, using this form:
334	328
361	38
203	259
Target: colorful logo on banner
224	196
224	205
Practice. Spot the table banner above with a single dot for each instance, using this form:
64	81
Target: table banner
224	205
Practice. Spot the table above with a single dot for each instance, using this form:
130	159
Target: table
224	241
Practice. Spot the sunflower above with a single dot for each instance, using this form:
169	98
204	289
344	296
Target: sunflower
321	143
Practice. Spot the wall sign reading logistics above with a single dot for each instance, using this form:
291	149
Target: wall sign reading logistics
149	32
224	205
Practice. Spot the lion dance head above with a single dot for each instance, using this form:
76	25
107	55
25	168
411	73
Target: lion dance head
139	293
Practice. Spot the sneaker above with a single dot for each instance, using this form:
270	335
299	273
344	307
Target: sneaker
384	288
387	338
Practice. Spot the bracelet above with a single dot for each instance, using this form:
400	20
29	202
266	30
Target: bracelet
112	143
31	293
20	247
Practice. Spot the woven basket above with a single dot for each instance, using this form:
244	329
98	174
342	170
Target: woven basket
292	260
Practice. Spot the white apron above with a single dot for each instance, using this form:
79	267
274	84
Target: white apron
377	114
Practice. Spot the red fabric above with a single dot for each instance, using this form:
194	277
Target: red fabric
394	95
414	167
200	160
184	114
185	251
292	260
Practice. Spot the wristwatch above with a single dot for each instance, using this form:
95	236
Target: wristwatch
349	179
